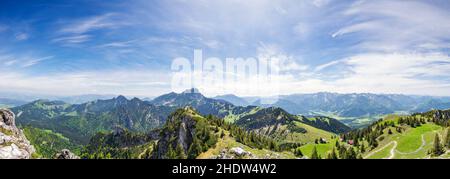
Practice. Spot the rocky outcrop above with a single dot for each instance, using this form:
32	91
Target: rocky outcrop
66	154
13	143
179	130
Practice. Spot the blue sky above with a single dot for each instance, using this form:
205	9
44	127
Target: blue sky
126	47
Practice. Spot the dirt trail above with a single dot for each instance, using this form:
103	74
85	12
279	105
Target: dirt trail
393	151
382	148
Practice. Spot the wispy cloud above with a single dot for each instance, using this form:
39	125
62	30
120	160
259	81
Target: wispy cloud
21	36
124	82
320	3
78	31
32	62
389	26
105	21
76	39
14	61
118	44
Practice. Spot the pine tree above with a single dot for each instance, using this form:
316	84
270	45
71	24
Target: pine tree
171	154
351	154
180	152
314	154
363	148
194	150
332	154
389	131
438	148
298	152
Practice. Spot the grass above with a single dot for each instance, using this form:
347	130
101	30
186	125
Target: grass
312	134
322	149
386	152
412	139
409	142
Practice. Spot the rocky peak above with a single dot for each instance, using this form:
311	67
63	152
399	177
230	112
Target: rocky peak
121	99
181	127
13	143
192	91
7	117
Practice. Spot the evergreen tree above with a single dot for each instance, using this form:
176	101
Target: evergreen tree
298	152
171	154
194	150
438	148
351	154
180	152
363	148
332	154
314	154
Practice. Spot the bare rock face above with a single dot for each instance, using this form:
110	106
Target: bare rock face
13	143
66	154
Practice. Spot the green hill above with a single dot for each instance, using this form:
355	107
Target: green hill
81	122
395	137
47	143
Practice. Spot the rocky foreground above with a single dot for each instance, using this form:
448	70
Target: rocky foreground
13	143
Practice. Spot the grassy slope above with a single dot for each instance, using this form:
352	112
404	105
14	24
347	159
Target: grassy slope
322	149
310	136
409	143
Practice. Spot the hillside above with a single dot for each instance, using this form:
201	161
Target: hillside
80	122
278	123
186	134
120	144
47	143
395	137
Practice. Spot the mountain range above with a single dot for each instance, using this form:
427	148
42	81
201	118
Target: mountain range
79	122
190	125
350	108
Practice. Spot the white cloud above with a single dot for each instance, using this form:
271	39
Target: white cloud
320	3
32	62
387	25
138	83
21	36
410	73
77	31
68	40
118	44
15	61
105	21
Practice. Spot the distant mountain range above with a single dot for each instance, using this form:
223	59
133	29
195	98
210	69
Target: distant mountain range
347	105
81	121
